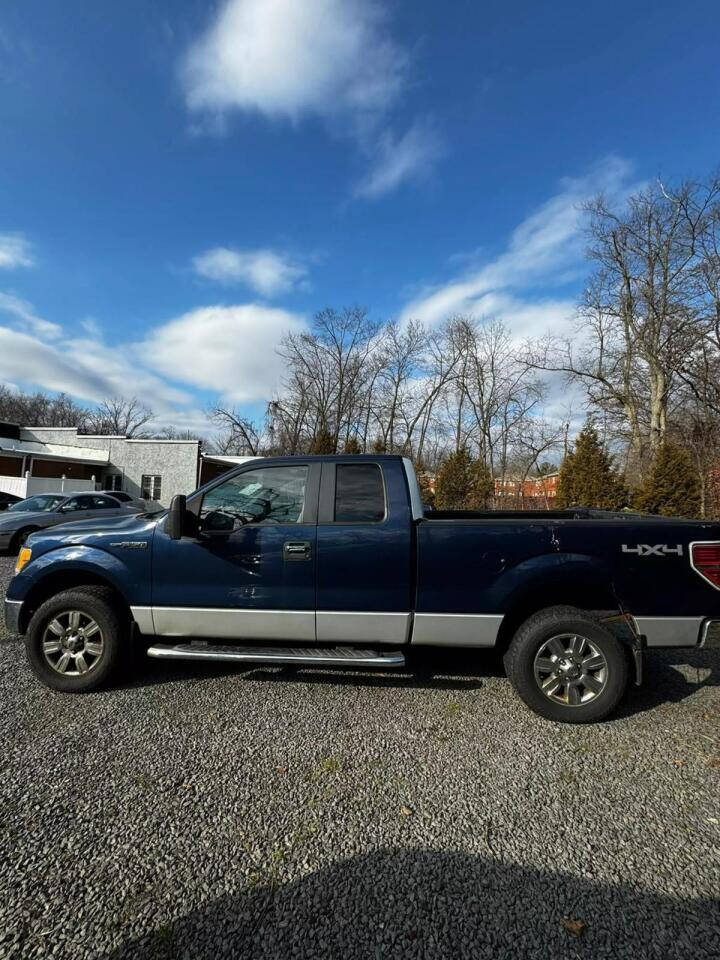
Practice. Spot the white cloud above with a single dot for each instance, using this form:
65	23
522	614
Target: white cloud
24	312
284	58
292	59
396	160
14	251
541	252
265	271
83	368
92	328
231	350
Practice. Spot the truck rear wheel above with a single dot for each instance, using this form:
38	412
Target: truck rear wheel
566	666
74	639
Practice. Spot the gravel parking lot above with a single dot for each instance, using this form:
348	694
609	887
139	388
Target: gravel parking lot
198	811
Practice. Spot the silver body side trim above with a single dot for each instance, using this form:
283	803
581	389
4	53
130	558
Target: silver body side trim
350	627
233	624
670	631
711	634
143	617
348	657
456	629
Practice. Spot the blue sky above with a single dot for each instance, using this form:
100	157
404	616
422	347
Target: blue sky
180	182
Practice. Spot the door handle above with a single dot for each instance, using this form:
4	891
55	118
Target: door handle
296	550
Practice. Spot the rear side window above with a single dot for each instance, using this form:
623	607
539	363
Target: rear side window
359	493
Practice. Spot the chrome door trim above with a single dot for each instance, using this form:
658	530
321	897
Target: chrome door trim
349	626
456	629
670	631
234	624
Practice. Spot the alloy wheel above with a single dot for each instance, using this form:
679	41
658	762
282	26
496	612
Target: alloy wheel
73	643
570	669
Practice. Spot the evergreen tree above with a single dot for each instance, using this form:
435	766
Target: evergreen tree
427	490
353	446
482	486
323	442
587	477
671	489
463	483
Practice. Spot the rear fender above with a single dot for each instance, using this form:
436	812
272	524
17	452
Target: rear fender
576	580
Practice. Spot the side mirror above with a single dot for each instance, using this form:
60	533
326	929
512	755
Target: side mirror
175	524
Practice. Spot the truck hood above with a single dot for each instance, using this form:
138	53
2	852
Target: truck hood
100	532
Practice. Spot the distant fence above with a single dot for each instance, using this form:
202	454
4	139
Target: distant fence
522	503
28	486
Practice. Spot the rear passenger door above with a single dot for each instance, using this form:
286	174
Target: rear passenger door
90	506
364	553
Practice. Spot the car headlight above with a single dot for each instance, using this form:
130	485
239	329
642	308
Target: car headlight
23	559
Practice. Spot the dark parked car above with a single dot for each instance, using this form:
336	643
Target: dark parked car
332	561
7	500
48	509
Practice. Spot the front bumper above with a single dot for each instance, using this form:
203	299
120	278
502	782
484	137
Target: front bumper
12	615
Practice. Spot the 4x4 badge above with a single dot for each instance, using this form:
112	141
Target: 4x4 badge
657	550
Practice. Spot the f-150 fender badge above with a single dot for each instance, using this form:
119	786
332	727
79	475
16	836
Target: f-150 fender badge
656	550
130	544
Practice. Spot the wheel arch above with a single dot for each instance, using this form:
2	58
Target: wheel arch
56	581
575	589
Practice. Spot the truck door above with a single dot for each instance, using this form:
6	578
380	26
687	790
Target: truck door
364	553
249	572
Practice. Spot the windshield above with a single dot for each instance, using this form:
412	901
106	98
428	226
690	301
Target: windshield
50	501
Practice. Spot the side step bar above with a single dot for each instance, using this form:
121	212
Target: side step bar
308	656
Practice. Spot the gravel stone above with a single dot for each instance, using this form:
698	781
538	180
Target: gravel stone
201	811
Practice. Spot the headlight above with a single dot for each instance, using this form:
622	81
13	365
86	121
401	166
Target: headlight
23	559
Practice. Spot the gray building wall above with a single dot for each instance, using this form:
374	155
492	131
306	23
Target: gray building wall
175	461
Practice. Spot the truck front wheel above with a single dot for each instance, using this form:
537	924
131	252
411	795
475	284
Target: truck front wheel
74	639
566	666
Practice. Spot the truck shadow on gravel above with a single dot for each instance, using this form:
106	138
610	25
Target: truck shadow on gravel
429	904
671	676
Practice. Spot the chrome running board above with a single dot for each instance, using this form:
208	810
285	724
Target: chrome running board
307	656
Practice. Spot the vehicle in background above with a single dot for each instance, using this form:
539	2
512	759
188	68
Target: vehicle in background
144	506
332	561
49	509
7	500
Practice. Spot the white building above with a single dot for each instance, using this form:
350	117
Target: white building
50	459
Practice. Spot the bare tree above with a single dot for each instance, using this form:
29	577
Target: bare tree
40	409
644	312
238	435
119	416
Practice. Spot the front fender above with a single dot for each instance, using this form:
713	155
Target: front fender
130	578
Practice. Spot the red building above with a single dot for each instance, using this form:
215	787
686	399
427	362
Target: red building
542	489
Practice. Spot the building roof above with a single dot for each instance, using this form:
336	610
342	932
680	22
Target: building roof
232	461
54	451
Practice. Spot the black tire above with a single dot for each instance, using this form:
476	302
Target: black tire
525	658
92	603
18	541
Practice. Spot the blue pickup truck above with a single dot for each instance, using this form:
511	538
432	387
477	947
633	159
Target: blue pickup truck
333	561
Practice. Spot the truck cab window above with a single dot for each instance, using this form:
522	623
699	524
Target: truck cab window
270	495
359	493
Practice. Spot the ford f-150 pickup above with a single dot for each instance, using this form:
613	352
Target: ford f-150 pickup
332	561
